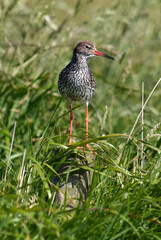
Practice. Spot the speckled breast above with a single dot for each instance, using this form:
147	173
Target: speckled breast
77	85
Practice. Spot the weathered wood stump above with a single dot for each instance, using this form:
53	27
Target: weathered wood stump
74	180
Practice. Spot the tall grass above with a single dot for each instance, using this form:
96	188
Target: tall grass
37	39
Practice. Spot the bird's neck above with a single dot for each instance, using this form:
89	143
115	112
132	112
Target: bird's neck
80	60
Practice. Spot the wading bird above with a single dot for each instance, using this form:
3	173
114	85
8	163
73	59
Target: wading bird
76	80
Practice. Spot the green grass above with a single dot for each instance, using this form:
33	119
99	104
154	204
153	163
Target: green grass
37	39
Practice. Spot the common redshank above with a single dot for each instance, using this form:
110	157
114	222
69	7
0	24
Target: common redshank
76	80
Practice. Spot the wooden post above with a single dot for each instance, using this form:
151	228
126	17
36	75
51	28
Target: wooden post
73	181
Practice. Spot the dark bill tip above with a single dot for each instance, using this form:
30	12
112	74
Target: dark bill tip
107	56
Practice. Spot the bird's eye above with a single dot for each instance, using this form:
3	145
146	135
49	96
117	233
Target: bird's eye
86	46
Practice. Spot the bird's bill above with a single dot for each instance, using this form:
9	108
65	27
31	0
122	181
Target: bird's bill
98	53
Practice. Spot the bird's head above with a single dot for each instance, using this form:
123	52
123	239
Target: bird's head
87	50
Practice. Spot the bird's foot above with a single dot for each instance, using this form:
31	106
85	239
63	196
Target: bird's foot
70	141
91	149
87	146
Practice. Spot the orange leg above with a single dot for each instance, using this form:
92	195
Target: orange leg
71	125
86	121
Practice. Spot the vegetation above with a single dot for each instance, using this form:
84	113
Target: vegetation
37	39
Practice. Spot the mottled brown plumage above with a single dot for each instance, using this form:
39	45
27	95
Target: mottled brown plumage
76	80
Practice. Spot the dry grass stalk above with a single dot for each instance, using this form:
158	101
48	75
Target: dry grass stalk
22	172
9	157
142	126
